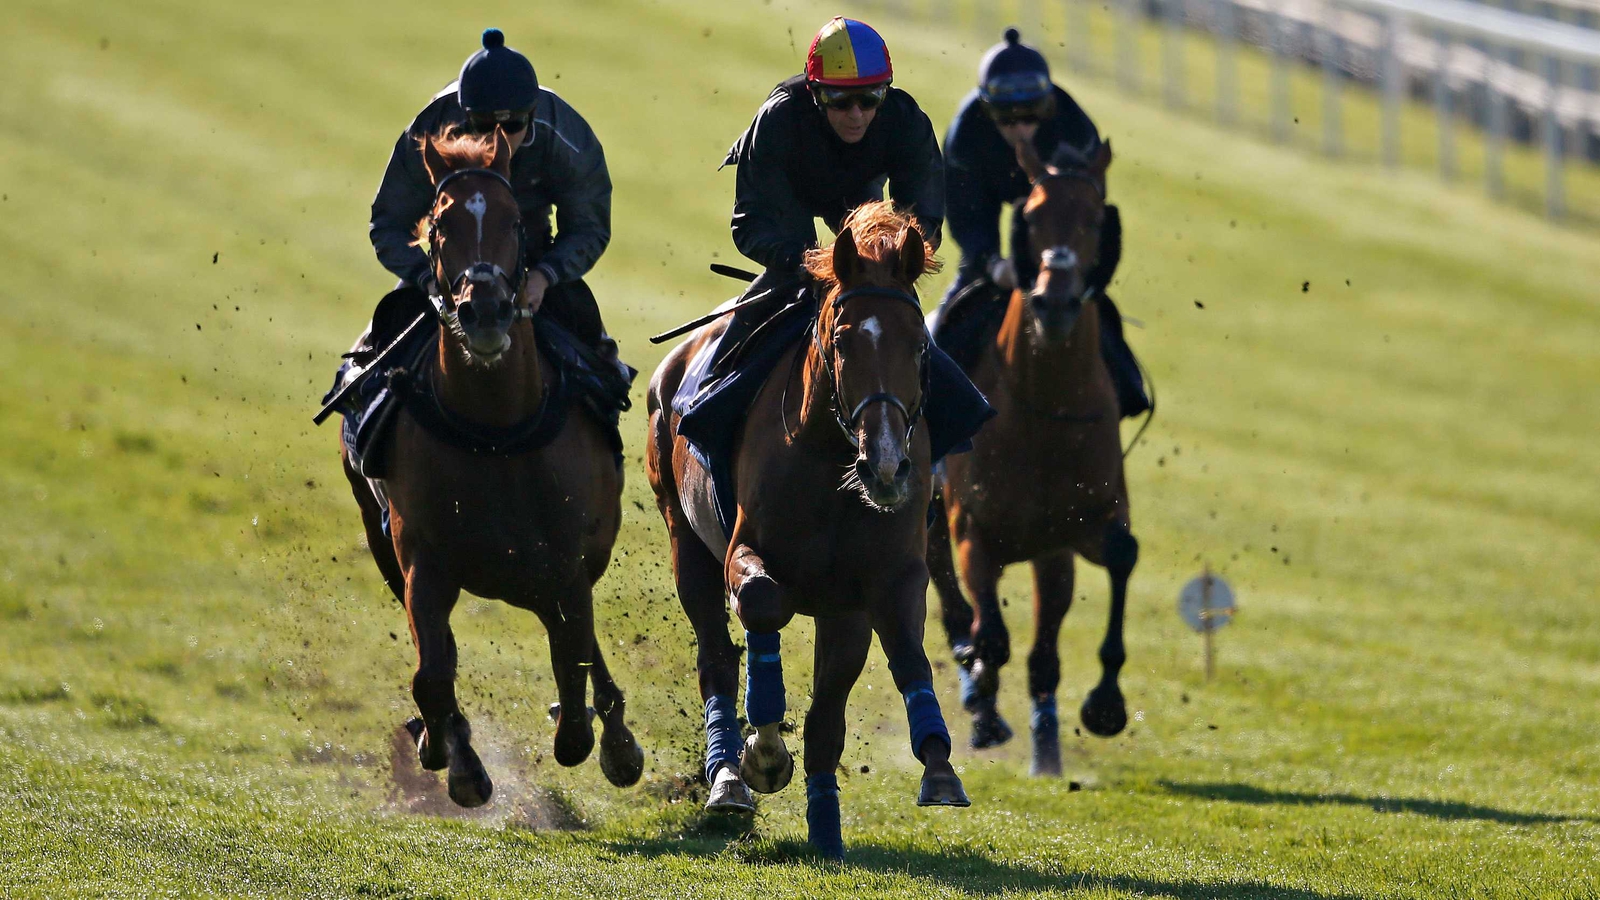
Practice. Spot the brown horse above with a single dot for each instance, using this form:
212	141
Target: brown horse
533	528
1045	477
833	479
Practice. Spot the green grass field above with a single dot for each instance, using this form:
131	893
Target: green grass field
1378	405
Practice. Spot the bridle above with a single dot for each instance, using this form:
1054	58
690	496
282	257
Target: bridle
480	271
847	424
1062	258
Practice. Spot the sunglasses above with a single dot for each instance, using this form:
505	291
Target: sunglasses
842	99
486	124
1006	120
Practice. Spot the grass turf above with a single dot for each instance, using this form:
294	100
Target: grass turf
1377	407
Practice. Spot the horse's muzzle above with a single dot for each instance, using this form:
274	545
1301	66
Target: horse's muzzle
486	322
1054	313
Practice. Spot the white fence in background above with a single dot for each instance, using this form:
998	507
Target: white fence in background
1515	74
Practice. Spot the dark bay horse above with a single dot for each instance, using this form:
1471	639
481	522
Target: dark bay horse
533	528
832	476
1045	478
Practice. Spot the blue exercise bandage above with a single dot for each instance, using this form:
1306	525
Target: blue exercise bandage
969	686
763	680
822	815
1044	715
922	713
723	742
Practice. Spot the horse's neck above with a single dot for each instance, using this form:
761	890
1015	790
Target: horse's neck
1063	377
500	395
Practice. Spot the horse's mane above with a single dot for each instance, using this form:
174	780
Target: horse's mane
461	149
876	227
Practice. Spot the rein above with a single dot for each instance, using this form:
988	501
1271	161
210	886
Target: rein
480	271
847	424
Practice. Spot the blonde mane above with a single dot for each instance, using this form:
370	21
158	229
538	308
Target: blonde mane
876	227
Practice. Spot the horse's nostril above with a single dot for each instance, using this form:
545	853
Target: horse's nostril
864	470
902	471
467	313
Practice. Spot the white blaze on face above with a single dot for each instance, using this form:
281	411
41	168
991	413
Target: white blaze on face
478	206
873	330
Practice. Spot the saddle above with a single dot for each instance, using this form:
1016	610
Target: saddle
581	377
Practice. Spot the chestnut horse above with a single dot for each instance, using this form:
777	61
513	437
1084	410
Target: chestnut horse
1045	478
832	476
533	528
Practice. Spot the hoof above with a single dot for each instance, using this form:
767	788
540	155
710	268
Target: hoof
621	757
574	737
766	768
469	783
1104	713
432	758
729	794
942	790
988	728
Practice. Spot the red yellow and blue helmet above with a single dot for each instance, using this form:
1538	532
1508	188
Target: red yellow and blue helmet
848	53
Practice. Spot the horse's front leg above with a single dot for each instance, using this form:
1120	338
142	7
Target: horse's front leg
1104	712
569	622
443	736
840	653
898	614
1052	597
763	608
990	645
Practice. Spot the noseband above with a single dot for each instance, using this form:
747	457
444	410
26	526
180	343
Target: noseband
1061	258
480	271
847	424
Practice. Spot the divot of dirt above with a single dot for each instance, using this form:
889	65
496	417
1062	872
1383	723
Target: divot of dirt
517	801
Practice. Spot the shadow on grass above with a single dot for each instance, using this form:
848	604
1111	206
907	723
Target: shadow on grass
958	868
1437	809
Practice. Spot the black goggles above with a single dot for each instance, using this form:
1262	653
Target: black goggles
486	123
842	99
1017	113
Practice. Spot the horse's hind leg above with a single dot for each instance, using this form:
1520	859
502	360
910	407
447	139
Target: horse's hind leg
444	738
991	647
1104	713
621	757
840	653
1052	597
372	520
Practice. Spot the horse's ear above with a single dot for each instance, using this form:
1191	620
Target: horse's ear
913	253
433	160
1028	158
846	260
1102	158
501	160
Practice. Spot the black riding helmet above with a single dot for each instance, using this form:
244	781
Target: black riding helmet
1014	80
497	86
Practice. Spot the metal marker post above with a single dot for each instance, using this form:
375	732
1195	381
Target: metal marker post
1207	583
1206	604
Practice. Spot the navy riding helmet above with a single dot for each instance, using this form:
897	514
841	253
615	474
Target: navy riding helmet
497	85
1013	74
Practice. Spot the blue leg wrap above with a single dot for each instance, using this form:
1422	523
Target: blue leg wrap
922	713
1044	716
822	815
969	687
722	733
763	683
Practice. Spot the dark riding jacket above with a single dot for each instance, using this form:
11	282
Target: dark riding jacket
982	175
793	168
560	165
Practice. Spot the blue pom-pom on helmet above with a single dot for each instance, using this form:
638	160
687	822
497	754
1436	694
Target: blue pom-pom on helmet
497	81
1013	74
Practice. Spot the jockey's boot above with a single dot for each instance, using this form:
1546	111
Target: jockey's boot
1125	375
781	287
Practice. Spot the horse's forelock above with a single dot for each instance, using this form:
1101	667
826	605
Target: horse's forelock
463	149
876	228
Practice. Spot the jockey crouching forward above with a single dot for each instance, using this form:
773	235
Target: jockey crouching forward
1015	101
557	163
824	143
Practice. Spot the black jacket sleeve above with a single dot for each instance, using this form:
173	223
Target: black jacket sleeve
575	173
974	203
770	224
403	199
916	174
